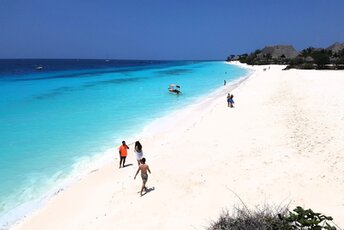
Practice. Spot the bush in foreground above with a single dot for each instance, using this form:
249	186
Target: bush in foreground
268	218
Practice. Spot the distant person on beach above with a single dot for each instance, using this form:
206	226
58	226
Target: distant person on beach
144	175
138	152
230	101
224	82
123	153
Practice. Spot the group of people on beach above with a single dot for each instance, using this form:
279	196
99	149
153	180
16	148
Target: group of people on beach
230	100
141	161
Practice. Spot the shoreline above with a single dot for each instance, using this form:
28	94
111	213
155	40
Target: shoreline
181	114
102	160
275	134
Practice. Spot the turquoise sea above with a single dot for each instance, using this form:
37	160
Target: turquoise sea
56	121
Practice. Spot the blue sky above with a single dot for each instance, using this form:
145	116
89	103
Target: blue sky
163	29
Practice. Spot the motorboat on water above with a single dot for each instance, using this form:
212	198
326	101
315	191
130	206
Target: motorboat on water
174	89
39	67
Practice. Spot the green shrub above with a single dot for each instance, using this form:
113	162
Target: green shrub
244	219
296	61
274	219
321	58
307	219
307	66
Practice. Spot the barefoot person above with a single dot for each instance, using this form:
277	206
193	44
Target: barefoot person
123	153
144	175
138	152
229	99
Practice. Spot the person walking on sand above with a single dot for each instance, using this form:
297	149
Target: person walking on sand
123	153
144	175
138	152
229	99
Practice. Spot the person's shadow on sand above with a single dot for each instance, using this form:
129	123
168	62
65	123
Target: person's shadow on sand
148	190
127	165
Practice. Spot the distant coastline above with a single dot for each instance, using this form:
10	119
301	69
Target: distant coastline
331	57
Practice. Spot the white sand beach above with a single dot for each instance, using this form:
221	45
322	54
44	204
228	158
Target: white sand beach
283	143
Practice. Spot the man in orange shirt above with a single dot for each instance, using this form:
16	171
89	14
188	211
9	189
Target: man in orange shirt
123	153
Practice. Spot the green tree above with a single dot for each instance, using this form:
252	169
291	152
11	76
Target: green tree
321	58
257	51
307	52
268	56
296	61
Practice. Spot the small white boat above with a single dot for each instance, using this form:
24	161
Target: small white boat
174	89
39	67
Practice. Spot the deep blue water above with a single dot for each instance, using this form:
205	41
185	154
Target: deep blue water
57	120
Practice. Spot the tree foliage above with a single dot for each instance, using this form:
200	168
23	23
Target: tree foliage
309	58
321	58
307	219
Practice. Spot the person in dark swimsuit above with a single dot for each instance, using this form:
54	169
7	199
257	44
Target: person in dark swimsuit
229	99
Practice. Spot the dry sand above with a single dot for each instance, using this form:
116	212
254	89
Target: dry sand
282	143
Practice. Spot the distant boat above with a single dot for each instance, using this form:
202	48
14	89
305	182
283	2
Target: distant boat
39	67
174	89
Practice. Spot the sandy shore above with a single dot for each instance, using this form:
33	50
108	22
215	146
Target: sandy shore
282	143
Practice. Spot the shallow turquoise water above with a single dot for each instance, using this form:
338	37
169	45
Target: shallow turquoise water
48	124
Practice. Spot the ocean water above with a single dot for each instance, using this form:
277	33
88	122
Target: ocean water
55	121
